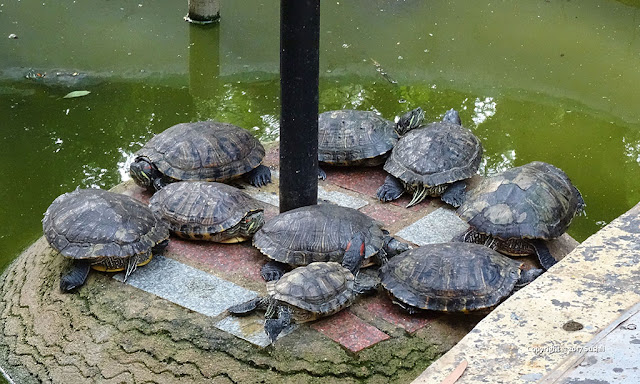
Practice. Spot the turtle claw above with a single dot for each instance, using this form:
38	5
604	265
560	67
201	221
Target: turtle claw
260	176
390	190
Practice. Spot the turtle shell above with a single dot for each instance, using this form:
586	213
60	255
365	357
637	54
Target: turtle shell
93	224
316	233
350	137
200	209
533	201
320	288
450	277
204	150
437	154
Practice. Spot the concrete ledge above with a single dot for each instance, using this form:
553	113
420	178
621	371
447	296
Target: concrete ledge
533	332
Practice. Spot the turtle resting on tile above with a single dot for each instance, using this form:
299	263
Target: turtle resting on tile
349	137
433	161
206	210
517	210
310	292
102	230
205	151
452	277
320	233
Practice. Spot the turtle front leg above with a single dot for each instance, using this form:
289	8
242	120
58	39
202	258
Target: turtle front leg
322	175
159	248
273	327
545	257
455	194
354	253
259	176
391	189
273	270
76	276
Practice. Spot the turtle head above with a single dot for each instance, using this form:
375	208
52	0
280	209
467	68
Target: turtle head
528	276
354	253
452	116
252	222
144	173
410	120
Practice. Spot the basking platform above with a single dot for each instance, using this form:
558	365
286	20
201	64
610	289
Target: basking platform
168	323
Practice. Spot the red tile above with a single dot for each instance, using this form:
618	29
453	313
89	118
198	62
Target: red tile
365	180
381	305
350	331
233	259
384	213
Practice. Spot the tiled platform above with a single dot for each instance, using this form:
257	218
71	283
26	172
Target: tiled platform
238	265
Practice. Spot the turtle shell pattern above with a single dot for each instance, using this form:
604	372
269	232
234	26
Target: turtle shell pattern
450	277
198	209
97	224
437	154
535	201
317	290
204	150
316	233
350	137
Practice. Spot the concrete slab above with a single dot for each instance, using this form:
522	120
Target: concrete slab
436	227
534	331
335	197
610	357
250	328
187	286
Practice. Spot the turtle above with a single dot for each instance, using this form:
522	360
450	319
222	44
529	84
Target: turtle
207	210
203	150
516	210
433	160
319	233
103	230
349	137
310	292
452	277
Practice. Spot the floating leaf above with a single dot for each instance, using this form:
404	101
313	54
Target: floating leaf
76	94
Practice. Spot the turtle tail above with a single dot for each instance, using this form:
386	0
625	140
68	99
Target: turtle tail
419	194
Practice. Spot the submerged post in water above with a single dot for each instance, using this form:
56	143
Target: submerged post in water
299	66
203	11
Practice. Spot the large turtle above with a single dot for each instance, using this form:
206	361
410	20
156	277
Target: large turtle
310	292
516	210
433	161
319	233
204	150
206	210
102	230
452	277
350	137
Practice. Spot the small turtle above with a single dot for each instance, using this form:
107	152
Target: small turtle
204	150
307	293
516	210
319	233
102	230
206	210
452	277
433	161
350	137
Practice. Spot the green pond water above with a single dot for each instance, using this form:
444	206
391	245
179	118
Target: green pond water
536	80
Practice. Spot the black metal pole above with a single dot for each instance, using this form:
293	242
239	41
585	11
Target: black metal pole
299	57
